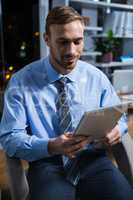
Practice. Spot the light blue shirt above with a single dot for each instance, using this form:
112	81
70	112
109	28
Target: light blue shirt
30	101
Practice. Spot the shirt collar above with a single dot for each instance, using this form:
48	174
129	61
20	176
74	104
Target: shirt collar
53	75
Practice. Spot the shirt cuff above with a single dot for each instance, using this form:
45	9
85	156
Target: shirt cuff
122	125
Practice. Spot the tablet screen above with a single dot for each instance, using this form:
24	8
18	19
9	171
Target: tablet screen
98	123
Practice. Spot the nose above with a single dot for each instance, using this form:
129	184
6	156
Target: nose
71	48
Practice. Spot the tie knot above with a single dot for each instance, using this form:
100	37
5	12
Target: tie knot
61	83
63	80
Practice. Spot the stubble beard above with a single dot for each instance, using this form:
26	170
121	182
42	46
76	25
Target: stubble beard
63	66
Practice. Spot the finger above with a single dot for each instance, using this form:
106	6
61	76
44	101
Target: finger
68	134
115	141
71	146
78	140
77	147
75	152
83	138
112	136
113	133
112	142
67	139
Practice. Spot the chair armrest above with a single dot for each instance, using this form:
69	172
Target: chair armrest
17	179
123	153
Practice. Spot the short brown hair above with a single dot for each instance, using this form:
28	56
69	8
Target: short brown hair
62	15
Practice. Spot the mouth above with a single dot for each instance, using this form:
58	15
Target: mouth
70	59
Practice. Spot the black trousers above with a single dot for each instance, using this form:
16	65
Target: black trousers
100	179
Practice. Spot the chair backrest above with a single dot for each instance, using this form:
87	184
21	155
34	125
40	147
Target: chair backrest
122	80
123	153
18	184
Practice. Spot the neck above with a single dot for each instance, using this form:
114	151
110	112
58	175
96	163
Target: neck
60	69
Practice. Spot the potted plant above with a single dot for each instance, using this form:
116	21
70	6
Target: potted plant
108	46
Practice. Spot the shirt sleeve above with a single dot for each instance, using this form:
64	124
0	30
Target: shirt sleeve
13	135
110	98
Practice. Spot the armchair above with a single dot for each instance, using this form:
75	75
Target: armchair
122	152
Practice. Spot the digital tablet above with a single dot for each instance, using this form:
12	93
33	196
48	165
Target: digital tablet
98	123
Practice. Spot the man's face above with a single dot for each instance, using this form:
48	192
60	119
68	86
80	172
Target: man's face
66	44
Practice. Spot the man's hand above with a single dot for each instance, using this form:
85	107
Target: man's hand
112	137
67	144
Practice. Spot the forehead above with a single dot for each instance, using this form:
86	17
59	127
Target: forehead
72	29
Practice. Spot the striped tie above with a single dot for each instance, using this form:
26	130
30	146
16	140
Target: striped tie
65	124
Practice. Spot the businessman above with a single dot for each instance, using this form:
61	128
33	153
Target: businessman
43	105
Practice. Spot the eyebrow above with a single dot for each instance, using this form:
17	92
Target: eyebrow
66	39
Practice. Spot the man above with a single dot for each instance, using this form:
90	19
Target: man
32	126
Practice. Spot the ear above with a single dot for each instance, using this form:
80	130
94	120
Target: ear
46	38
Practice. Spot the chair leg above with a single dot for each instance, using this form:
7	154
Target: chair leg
0	194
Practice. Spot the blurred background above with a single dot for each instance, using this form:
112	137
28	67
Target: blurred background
108	42
19	35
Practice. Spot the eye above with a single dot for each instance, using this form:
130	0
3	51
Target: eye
63	42
78	41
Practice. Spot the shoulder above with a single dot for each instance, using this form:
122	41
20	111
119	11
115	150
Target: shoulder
91	70
30	73
30	69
